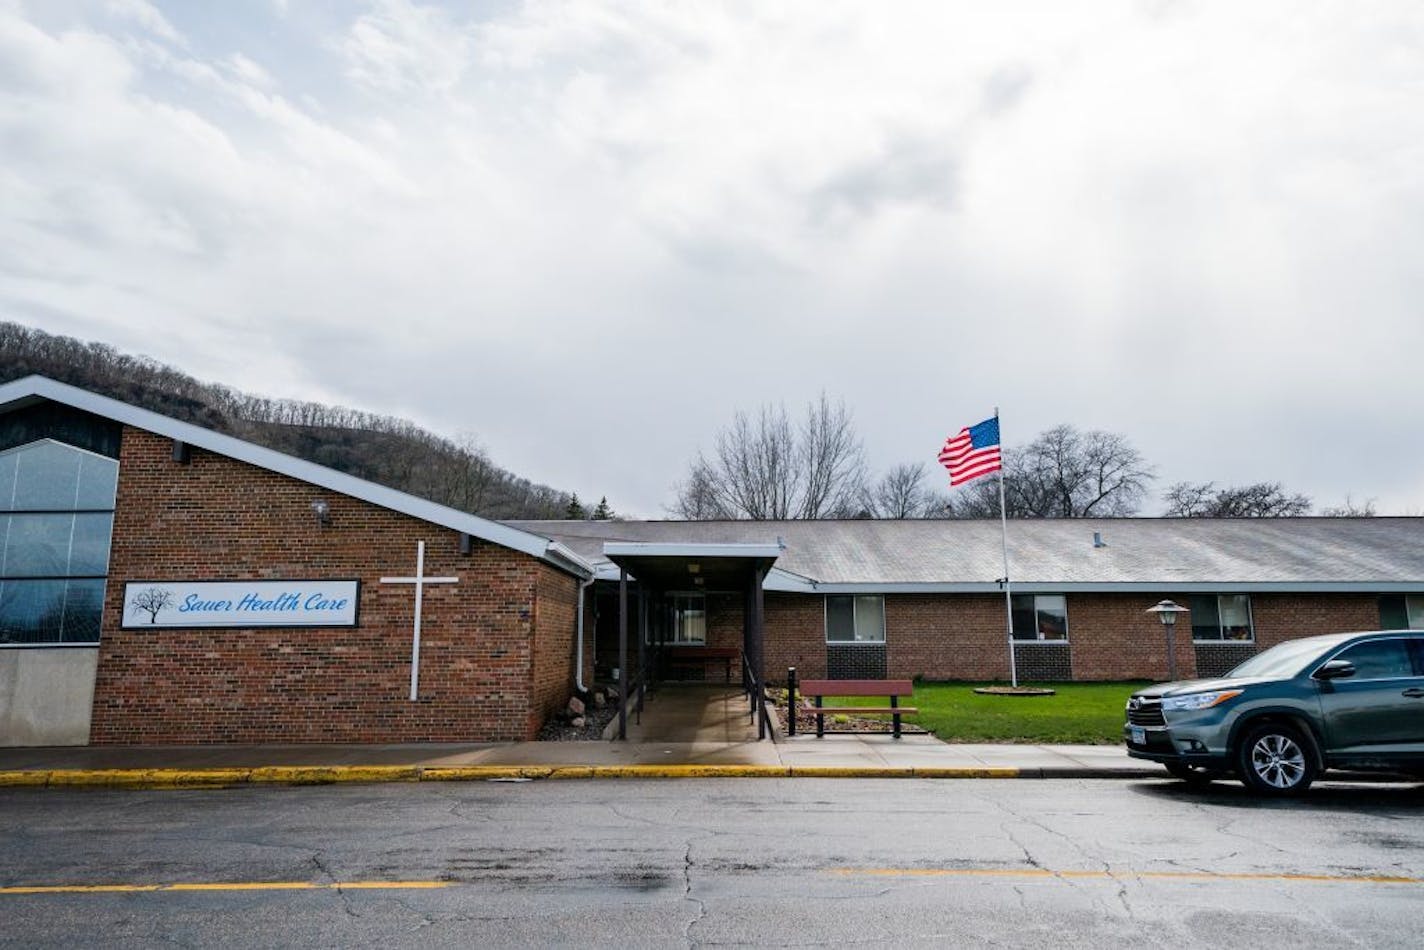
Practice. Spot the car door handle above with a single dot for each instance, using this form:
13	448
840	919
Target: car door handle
1414	692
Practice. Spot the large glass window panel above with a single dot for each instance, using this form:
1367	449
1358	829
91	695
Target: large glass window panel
1052	617
1206	622
1415	608
38	545
691	625
1394	612
31	611
89	551
46	477
1235	612
840	619
7	479
870	619
83	608
1025	619
98	481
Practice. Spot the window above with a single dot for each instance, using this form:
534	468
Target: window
1401	612
56	517
1040	617
858	619
1379	659
689	612
1222	617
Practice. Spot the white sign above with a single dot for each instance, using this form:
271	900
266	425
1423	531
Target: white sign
297	603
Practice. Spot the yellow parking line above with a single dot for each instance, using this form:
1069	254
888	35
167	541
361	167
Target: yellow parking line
222	886
1120	875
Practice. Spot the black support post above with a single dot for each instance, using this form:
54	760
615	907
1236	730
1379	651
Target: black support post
791	700
622	654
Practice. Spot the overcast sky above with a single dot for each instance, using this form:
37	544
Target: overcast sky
588	232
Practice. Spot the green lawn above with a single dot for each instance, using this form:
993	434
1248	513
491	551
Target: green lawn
1077	713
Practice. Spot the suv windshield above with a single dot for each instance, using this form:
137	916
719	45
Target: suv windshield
1285	659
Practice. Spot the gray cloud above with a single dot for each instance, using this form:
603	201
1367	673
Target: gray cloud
589	231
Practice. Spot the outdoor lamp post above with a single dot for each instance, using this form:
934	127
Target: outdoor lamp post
1166	612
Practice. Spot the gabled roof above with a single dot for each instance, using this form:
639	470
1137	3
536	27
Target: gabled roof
1186	555
32	389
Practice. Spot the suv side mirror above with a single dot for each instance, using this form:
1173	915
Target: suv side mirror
1335	670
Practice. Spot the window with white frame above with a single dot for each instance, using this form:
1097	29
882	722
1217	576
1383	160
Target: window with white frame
858	618
1041	617
1222	617
689	619
1401	612
56	517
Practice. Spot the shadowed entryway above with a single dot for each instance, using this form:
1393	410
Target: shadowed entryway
694	712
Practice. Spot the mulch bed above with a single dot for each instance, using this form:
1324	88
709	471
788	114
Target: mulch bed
806	722
594	721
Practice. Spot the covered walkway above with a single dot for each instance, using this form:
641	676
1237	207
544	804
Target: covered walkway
694	712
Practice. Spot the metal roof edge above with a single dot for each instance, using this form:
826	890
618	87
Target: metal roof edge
688	549
29	388
1123	587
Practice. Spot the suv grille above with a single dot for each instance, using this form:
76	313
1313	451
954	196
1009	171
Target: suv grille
1145	712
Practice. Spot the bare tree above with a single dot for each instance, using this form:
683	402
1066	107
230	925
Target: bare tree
1352	509
1259	500
766	469
1063	473
900	493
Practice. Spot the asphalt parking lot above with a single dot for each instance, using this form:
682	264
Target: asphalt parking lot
713	861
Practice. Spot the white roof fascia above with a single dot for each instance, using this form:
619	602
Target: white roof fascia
674	549
41	387
1124	587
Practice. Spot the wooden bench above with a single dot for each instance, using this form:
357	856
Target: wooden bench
819	689
686	658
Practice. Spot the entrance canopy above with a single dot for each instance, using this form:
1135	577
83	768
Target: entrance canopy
681	567
663	569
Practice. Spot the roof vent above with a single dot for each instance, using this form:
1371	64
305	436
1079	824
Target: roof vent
1098	541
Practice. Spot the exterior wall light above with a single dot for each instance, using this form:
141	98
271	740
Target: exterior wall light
1167	612
323	512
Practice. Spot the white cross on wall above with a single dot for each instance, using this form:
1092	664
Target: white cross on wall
419	580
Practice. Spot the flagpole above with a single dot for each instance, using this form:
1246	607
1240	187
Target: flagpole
1008	594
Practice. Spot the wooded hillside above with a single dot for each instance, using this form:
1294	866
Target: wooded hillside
382	449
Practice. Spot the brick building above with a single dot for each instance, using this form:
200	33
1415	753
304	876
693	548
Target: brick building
163	583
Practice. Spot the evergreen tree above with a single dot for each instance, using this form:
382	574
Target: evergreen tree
603	512
574	511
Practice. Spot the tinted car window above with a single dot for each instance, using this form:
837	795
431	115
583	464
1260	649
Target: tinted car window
1380	659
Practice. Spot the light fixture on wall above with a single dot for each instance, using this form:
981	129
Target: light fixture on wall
322	511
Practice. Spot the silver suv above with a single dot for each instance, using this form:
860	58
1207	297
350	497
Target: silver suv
1343	701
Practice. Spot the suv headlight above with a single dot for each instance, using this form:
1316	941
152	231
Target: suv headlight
1198	700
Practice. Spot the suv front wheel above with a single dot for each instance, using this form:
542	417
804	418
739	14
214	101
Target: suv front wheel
1275	759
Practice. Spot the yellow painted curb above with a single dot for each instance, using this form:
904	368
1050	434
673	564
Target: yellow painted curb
850	771
313	775
477	773
671	771
194	778
988	771
31	779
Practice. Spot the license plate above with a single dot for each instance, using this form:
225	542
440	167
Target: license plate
1139	735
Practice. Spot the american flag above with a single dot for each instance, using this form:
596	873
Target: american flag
973	452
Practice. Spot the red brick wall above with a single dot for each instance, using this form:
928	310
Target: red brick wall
1112	638
1278	617
795	635
217	518
555	622
962	636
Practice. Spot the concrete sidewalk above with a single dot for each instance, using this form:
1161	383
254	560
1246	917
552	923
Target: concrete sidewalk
688	730
845	756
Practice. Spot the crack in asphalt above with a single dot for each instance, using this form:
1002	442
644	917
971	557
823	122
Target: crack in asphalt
687	896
